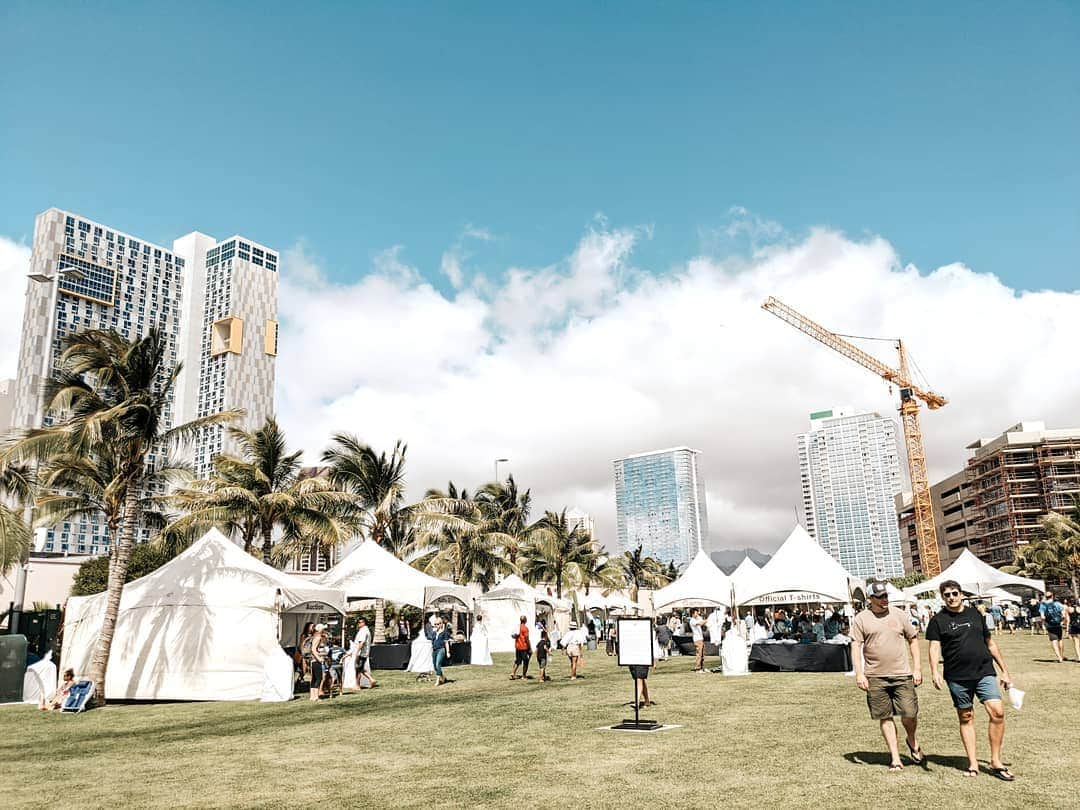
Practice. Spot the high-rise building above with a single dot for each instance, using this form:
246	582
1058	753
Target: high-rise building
86	275
660	504
997	503
849	464
7	403
954	521
576	518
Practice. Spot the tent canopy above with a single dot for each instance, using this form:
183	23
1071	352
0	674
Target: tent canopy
975	577
801	571
204	626
372	572
612	601
702	584
743	578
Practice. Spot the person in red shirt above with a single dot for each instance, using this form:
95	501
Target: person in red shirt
522	650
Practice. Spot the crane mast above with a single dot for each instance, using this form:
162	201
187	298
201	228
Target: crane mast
910	394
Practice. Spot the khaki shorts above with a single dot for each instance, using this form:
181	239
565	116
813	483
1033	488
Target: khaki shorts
887	697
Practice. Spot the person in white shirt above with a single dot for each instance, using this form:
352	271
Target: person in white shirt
362	645
696	623
574	643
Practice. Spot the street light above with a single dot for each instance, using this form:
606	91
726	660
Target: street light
497	462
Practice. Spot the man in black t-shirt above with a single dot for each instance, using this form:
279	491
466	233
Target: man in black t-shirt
958	635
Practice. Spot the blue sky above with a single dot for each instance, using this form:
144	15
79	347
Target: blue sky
951	131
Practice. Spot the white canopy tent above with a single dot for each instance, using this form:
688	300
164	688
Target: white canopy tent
801	571
702	584
612	601
207	625
975	577
372	572
503	606
743	578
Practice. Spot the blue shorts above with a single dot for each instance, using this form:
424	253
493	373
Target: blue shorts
964	692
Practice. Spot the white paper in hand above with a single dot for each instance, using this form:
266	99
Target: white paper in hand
1016	697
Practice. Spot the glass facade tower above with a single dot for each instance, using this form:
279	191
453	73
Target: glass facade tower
849	464
660	504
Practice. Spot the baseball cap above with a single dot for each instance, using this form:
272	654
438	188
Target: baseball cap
319	627
878	588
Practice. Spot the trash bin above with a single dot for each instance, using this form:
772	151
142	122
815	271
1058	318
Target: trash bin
12	668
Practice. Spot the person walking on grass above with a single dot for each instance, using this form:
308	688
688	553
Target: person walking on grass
882	638
543	650
522	650
574	643
698	636
958	636
440	649
1053	616
1072	621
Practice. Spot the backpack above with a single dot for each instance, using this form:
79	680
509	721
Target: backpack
1052	612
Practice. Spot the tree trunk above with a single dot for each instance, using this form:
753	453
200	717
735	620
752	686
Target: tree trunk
118	566
1076	590
266	546
380	621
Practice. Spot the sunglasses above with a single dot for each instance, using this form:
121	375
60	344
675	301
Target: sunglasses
950	594
879	596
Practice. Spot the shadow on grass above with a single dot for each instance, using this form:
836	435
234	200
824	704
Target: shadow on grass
882	759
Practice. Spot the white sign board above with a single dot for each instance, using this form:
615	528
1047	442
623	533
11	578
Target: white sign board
635	642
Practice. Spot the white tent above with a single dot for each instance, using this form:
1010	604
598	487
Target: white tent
502	608
207	625
372	572
801	571
743	578
975	577
702	584
613	601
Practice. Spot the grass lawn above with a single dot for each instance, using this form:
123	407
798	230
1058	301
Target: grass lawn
767	740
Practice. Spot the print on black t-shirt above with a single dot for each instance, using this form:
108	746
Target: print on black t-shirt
963	638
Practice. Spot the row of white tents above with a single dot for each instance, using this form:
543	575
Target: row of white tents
210	624
801	571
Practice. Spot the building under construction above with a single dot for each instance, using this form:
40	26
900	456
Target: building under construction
997	502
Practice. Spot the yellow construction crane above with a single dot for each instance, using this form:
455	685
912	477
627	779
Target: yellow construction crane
910	394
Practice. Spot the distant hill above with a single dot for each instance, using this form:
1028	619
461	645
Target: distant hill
728	559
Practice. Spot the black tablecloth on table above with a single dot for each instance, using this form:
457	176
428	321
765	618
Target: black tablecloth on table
390	656
685	645
801	657
460	652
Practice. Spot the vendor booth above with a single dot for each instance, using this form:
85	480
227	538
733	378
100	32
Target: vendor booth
701	585
372	572
208	625
975	577
503	606
801	572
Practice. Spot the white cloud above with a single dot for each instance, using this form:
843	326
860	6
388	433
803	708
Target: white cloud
14	265
563	368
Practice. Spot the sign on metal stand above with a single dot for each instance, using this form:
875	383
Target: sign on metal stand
635	640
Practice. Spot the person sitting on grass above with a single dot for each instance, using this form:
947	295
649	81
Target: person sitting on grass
543	649
61	693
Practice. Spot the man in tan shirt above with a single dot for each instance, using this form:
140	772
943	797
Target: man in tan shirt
881	640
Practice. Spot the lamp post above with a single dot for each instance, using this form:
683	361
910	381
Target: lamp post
497	462
47	362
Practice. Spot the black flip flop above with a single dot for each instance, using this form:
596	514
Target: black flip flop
1004	774
917	755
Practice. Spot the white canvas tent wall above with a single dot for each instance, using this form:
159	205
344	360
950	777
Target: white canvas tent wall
502	608
743	578
975	577
702	584
372	572
204	626
801	571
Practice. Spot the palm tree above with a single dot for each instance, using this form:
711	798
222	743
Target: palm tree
261	491
506	511
109	396
456	540
16	492
1058	554
377	483
601	570
556	552
640	571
